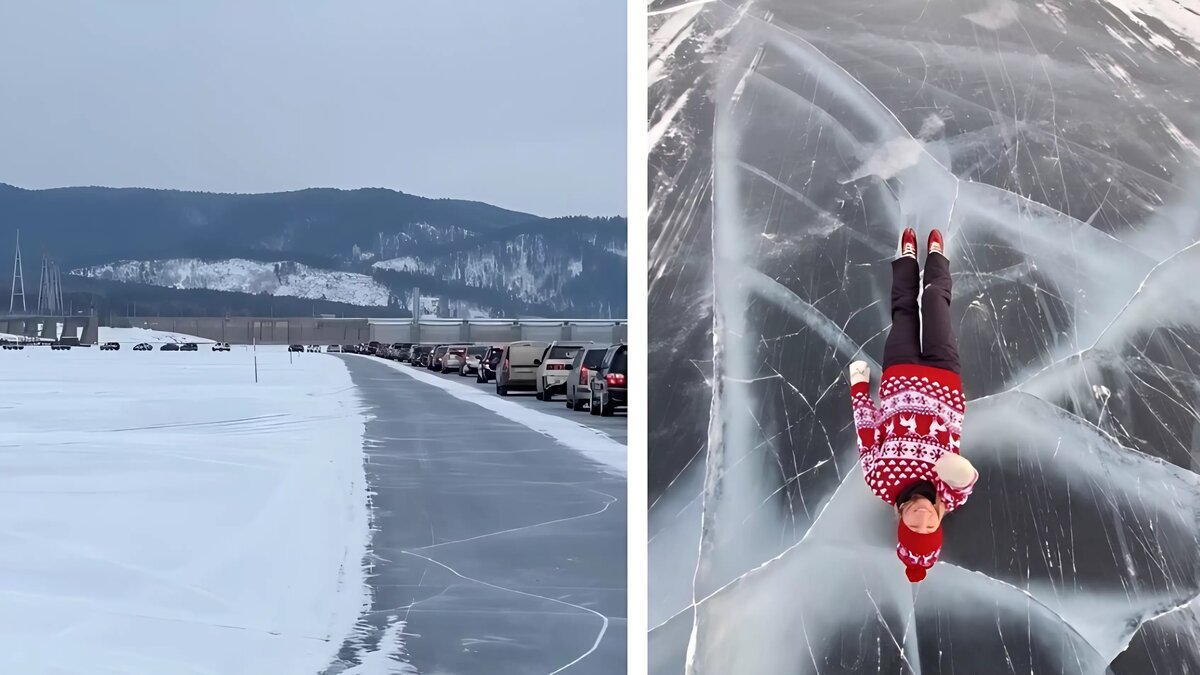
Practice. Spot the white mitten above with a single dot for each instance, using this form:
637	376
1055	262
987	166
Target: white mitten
860	371
955	470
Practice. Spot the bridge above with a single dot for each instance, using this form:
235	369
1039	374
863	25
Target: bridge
86	328
316	330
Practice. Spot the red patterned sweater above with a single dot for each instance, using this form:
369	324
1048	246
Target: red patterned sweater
918	420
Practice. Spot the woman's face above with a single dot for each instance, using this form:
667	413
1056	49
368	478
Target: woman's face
920	515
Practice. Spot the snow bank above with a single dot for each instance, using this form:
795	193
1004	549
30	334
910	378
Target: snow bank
136	335
166	515
592	444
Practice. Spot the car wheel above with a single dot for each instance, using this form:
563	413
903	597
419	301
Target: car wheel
570	403
502	391
577	404
608	409
593	409
480	379
540	397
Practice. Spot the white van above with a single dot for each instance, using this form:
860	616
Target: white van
519	365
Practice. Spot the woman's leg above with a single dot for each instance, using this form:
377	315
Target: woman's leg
903	343
940	346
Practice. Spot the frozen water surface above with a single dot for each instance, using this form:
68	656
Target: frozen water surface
1055	143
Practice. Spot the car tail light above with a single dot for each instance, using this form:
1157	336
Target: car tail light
615	379
556	366
583	371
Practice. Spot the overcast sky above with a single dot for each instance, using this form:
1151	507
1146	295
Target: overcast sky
519	103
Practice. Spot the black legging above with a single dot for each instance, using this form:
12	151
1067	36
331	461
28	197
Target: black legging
903	343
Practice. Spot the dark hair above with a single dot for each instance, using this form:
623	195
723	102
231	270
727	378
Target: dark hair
921	488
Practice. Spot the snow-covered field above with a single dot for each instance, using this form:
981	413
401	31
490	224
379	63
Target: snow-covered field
167	515
133	336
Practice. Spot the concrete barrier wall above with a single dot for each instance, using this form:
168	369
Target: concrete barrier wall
312	330
268	331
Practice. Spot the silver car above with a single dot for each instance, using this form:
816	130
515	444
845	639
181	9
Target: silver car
455	357
471	365
579	379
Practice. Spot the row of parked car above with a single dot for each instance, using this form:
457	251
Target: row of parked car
587	374
116	346
165	347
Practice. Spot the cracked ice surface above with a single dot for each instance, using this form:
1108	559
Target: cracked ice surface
1055	143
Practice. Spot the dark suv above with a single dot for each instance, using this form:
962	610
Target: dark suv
487	365
608	384
400	351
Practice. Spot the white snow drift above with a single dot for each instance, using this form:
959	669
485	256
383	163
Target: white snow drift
162	513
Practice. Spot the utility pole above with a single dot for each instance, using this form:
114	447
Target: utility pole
18	277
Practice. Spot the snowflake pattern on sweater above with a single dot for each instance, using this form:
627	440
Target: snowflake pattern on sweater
919	419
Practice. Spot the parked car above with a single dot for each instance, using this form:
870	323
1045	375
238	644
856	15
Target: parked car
488	364
400	351
333	349
295	348
471	365
454	358
608	383
554	368
143	347
348	349
110	346
220	347
373	347
519	365
169	347
579	379
59	346
189	347
419	355
435	358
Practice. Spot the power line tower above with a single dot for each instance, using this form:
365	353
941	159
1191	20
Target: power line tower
18	278
50	289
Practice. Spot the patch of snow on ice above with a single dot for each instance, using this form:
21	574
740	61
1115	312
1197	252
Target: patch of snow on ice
388	659
1174	14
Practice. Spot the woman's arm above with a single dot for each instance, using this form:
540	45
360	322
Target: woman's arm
866	415
958	478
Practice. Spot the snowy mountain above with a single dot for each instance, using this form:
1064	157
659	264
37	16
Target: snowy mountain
246	276
346	251
534	268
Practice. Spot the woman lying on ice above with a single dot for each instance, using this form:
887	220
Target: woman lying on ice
909	444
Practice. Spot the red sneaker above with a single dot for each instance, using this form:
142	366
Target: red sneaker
908	243
935	242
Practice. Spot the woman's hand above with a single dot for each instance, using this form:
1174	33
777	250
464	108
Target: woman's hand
860	371
955	470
